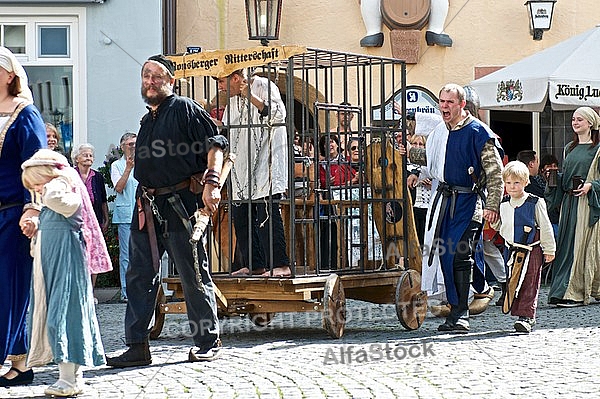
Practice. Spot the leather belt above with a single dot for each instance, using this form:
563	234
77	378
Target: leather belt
169	189
444	192
9	205
146	219
152	236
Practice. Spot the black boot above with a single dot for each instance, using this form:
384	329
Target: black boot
441	39
375	40
136	355
458	320
500	300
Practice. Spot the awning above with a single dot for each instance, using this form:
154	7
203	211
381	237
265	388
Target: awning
568	74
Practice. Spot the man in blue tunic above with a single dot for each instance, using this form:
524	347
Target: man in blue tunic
463	155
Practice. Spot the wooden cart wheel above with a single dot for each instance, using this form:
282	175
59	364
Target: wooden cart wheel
411	302
261	319
159	317
334	307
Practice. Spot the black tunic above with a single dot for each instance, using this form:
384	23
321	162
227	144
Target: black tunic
173	142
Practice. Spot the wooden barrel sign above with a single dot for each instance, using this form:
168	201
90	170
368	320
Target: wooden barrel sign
384	174
405	14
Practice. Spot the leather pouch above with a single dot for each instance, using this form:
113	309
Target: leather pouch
141	214
196	185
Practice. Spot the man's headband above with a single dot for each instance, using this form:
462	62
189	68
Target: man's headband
165	62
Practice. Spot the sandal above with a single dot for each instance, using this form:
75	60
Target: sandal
62	388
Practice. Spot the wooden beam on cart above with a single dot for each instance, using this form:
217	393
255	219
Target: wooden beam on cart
274	306
277	289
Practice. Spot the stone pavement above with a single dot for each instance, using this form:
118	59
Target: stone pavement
294	358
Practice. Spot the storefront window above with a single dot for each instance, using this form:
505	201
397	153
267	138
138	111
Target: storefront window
52	90
555	131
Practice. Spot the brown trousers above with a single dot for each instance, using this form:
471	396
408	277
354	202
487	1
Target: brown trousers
526	303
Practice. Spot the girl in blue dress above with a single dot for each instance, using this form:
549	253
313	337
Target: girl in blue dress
64	328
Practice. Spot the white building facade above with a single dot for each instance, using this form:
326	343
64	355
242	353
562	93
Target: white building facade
83	59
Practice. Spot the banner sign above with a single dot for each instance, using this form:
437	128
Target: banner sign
220	63
418	99
575	93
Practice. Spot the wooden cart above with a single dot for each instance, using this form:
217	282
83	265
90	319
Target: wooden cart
261	298
377	251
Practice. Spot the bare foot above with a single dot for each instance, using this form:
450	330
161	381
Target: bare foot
283	271
244	271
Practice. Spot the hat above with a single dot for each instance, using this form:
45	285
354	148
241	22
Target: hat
46	157
590	115
9	62
165	62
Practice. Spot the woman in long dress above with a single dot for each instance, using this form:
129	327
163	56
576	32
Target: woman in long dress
22	133
576	269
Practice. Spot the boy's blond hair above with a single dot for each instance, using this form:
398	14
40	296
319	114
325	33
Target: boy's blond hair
516	169
37	175
416	137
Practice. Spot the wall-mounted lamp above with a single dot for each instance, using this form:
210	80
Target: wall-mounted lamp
263	18
540	16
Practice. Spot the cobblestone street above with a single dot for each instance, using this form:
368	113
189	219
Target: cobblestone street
294	358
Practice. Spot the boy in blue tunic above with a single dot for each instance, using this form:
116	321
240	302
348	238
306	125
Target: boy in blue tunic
527	231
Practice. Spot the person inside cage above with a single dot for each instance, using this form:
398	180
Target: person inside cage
258	137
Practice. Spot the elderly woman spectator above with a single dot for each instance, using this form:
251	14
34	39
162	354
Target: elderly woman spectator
83	158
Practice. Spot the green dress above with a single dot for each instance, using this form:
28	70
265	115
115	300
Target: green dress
576	226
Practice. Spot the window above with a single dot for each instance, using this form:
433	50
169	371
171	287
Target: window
53	41
52	94
13	38
46	40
